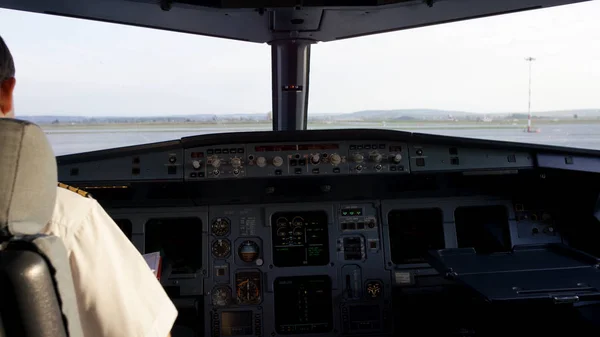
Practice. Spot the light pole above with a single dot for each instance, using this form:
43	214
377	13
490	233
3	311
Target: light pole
530	60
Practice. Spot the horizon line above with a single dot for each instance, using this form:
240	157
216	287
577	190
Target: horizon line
314	113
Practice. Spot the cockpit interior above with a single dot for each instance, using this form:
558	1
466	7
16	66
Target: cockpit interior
347	232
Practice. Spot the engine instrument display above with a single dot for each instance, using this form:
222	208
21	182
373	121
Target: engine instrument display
248	287
236	323
220	226
300	239
414	232
221	248
248	251
303	304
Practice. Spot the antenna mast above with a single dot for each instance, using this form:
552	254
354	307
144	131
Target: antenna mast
530	60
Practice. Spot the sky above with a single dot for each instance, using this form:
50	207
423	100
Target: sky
85	68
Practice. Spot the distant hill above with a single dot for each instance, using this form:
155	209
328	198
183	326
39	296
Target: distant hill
364	115
431	114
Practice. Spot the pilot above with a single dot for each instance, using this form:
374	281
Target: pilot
117	293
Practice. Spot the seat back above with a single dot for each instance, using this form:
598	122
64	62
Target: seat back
37	297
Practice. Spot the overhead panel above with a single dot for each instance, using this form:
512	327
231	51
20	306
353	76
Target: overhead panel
291	20
265	21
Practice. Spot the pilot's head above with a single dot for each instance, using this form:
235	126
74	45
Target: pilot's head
7	81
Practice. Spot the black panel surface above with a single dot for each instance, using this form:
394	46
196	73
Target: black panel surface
552	272
177	240
413	233
484	228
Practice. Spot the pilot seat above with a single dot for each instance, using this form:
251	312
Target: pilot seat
36	286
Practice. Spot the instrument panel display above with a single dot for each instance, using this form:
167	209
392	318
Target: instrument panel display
248	287
248	251
413	232
303	304
300	239
236	323
176	239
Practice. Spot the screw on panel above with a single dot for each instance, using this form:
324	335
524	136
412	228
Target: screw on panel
543	176
166	5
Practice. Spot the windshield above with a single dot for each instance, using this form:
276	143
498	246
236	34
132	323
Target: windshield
95	85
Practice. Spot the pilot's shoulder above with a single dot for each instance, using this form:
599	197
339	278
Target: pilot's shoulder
74	190
72	206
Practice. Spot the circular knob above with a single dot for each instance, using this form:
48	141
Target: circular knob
261	162
236	162
335	159
215	162
358	158
375	157
277	161
315	158
396	158
172	159
196	164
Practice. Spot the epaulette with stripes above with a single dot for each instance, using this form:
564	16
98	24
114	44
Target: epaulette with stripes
76	190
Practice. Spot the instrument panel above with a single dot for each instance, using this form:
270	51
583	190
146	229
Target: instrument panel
286	159
319	269
260	255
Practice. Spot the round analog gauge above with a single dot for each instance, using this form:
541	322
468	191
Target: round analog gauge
221	296
221	248
282	227
282	222
298	222
298	226
220	226
248	288
374	289
248	251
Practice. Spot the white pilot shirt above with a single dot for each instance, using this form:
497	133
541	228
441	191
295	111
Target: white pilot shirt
117	293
